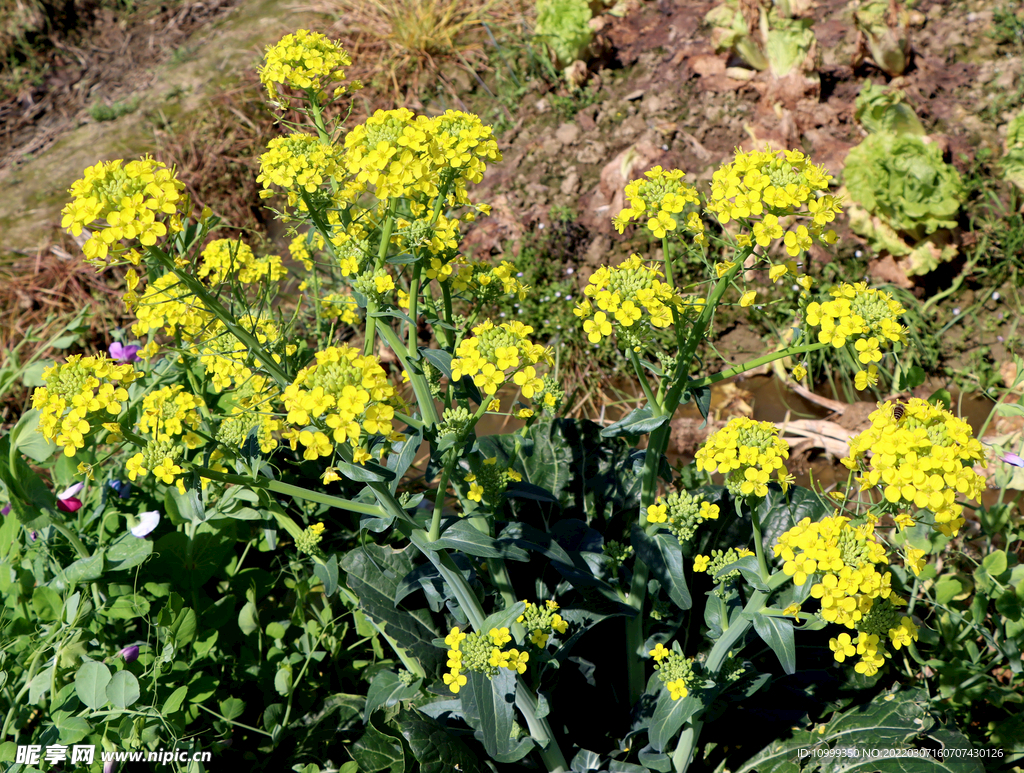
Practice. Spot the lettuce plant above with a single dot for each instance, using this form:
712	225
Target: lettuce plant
1013	156
886	30
777	44
906	199
880	109
563	25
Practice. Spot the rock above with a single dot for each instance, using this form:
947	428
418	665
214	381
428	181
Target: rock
571	183
633	96
567	133
551	146
542	106
591	153
598	250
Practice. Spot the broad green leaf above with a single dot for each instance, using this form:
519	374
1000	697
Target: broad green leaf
489	706
504	617
639	421
439	358
123	689
434	748
127	552
780	512
126	608
197	559
91	682
464	537
85	569
174	700
777	633
184	627
40	685
995	563
669	716
664	558
1009	604
377	751
247	619
365	473
46	603
232	708
283	680
29	441
327	573
946	589
387	690
72	729
374	574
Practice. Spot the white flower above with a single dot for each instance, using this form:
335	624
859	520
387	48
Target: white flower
146	523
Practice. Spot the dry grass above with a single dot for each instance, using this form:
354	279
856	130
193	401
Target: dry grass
404	45
40	294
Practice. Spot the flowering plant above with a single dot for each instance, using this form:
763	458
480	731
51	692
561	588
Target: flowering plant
261	510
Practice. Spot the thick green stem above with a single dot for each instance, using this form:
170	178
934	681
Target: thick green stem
699	383
755	520
442	490
382	253
420	385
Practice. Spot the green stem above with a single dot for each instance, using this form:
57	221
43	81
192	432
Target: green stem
442	489
699	383
288	489
655	406
755	520
382	253
420	384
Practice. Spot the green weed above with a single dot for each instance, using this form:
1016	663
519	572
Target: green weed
101	112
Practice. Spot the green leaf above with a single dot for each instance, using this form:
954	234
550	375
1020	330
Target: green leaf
374	573
327	573
466	538
669	715
377	751
1009	604
387	690
174	700
28	440
123	689
505	617
85	569
184	627
126	608
91	682
71	729
489	706
995	563
946	589
46	603
197	559
127	552
232	708
777	633
639	421
369	472
439	358
434	748
247	618
781	512
664	558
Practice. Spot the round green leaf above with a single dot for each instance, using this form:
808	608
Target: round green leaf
123	689
91	684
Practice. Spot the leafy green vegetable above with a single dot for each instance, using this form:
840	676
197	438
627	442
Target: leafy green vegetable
906	198
563	24
778	44
881	109
1013	157
886	30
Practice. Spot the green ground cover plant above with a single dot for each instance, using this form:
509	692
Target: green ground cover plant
270	530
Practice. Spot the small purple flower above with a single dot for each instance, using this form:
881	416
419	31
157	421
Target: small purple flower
33	535
130	654
122	487
109	766
121	353
6	509
145	523
956	311
1013	459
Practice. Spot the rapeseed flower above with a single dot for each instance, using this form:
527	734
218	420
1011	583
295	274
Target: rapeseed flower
493	355
307	62
922	460
747	452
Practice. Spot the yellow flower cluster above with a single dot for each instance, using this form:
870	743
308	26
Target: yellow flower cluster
682	513
78	395
489	480
497	354
340	306
747	452
170	306
141	201
299	163
921	461
225	359
540	621
852	591
346	394
222	257
305	61
867	317
487	282
484	654
400	154
767	185
675	671
168	418
659	197
632	296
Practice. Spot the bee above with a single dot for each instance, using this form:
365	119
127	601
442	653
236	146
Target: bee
898	410
33	720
